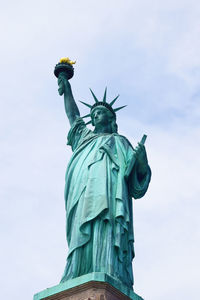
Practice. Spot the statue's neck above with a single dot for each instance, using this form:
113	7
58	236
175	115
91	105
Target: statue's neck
103	129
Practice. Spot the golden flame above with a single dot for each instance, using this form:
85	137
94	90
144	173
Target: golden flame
67	60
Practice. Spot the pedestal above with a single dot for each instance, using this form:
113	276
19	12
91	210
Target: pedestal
93	286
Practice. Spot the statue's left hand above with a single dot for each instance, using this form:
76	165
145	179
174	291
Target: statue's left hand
63	83
141	156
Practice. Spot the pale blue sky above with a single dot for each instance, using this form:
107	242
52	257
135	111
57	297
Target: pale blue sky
146	51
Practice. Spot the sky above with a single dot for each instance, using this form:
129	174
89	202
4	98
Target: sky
148	52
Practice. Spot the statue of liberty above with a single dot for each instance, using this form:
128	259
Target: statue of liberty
102	176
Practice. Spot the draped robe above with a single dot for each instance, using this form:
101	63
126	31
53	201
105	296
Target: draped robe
101	180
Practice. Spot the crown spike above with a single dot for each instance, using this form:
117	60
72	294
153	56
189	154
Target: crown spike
113	101
86	116
88	122
104	97
88	105
95	98
118	108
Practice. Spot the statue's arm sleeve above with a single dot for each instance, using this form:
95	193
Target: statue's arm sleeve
77	133
137	186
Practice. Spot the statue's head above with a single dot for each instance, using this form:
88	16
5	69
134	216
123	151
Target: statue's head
103	117
102	113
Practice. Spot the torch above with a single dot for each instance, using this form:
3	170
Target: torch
65	65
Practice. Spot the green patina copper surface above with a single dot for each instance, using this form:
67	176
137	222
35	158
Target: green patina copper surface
103	175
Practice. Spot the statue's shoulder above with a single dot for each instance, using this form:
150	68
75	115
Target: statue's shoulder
77	133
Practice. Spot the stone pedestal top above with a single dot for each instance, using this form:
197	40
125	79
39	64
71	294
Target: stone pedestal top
93	286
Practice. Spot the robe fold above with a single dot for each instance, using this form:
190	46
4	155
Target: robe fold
101	180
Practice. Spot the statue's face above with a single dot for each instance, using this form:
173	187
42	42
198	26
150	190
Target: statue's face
100	116
61	86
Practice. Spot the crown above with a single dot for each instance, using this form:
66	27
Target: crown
102	103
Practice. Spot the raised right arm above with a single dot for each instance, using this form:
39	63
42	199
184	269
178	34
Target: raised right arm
71	108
